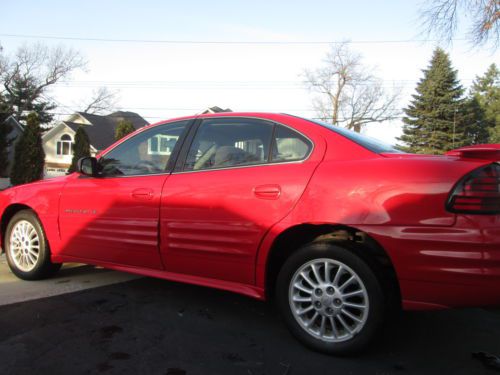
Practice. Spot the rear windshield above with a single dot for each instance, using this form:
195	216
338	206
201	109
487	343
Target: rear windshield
370	143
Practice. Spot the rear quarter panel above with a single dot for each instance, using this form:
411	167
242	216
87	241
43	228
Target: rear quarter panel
400	202
381	191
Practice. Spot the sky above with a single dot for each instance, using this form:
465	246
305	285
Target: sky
162	80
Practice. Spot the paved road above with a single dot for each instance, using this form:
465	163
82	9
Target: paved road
71	278
149	326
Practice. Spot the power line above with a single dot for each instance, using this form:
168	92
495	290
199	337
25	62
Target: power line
222	42
198	109
293	85
166	118
125	116
220	81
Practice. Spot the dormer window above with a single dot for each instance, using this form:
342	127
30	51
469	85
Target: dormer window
65	145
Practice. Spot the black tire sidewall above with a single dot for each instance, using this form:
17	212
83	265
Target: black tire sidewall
44	266
363	268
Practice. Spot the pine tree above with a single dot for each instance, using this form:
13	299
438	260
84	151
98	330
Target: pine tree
123	128
29	157
4	144
486	92
475	130
435	119
24	96
81	148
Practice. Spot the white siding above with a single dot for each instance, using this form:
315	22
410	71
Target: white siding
57	165
50	145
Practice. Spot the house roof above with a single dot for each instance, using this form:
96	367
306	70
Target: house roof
101	132
13	122
215	109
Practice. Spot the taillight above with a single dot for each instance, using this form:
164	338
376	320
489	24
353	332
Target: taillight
478	192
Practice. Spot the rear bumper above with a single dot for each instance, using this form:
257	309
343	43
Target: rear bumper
442	267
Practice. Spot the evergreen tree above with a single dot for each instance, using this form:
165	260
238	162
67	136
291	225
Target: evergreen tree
24	96
4	144
475	130
81	148
435	119
495	134
29	157
4	132
123	128
486	92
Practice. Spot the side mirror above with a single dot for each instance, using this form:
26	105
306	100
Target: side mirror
87	166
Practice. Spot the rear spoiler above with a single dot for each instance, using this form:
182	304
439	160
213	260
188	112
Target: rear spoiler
484	152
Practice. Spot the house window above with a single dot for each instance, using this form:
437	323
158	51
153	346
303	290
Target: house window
161	144
65	145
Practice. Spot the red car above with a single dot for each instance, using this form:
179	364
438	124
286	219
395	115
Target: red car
336	227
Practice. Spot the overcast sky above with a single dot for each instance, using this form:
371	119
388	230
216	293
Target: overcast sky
165	80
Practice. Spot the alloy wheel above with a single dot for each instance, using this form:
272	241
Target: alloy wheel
24	246
328	300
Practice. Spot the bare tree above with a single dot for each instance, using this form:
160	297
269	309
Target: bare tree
27	75
3	62
349	93
441	17
103	101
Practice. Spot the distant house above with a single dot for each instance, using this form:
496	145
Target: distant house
215	109
58	141
16	129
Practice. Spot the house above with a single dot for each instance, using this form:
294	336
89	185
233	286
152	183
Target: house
58	141
215	109
16	129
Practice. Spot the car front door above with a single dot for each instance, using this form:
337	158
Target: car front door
114	217
239	177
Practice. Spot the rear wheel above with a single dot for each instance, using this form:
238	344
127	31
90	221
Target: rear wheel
26	246
330	298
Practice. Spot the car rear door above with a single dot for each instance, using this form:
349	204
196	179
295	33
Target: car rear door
115	217
238	177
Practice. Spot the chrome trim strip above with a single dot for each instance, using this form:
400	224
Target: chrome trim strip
243	166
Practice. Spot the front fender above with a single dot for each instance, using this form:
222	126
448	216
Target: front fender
43	198
5	199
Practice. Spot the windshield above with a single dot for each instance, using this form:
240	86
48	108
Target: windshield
370	143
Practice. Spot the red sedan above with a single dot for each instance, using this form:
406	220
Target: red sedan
336	227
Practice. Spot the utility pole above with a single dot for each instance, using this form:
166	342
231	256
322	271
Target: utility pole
454	124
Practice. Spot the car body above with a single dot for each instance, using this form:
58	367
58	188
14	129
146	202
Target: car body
233	226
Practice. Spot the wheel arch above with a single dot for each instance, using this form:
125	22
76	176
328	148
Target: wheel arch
7	215
354	240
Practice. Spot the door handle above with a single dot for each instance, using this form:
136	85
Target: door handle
143	194
267	191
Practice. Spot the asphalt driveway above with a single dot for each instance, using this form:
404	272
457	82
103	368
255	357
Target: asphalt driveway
71	278
149	326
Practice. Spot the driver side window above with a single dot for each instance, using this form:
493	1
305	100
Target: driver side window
145	153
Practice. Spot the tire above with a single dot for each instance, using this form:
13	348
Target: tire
326	315
27	249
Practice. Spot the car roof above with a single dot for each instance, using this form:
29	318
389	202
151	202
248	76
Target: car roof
263	115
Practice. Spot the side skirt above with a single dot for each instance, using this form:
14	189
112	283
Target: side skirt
247	290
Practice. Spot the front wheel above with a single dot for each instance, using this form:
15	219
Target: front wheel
330	298
27	249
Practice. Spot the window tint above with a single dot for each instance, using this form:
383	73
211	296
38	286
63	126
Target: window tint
289	145
371	144
222	143
146	153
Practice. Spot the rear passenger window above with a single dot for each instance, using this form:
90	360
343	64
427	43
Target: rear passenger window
289	145
224	143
